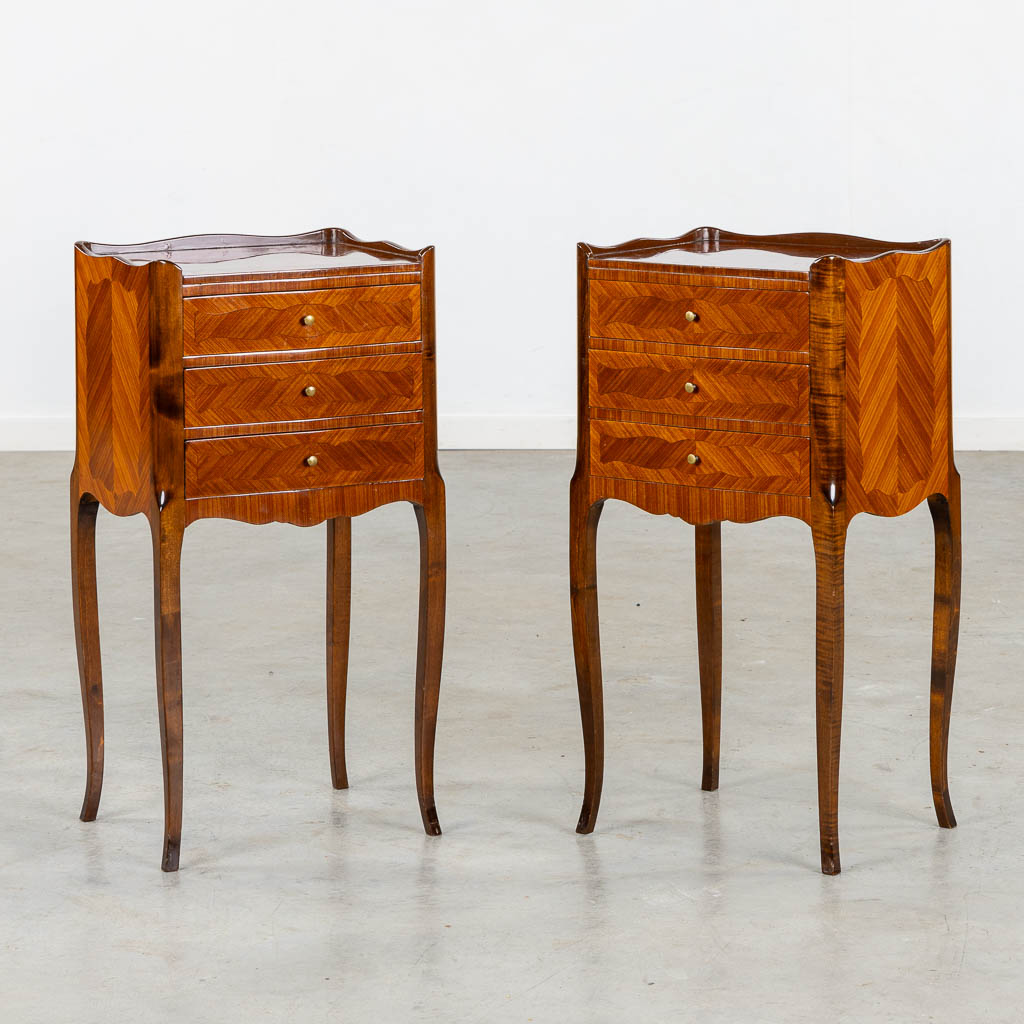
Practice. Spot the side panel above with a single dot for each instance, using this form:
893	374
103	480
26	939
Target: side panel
113	425
897	381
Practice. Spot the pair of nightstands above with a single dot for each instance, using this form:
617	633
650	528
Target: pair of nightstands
722	377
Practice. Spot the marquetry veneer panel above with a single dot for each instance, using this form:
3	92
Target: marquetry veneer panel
897	381
726	388
728	317
275	392
275	320
278	462
771	463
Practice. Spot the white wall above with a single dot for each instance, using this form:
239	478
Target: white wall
504	134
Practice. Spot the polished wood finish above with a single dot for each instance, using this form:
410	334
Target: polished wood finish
728	460
708	560
818	368
725	317
281	462
259	393
277	320
727	389
87	638
339	614
262	379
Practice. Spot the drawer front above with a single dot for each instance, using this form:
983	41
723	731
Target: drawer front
765	463
721	317
277	392
278	462
737	389
281	320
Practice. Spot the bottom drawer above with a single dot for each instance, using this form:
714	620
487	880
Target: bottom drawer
766	463
281	462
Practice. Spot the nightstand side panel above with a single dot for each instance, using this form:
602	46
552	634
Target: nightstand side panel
113	409
897	381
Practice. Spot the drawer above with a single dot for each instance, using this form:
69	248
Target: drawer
276	392
299	320
716	317
738	389
278	462
766	463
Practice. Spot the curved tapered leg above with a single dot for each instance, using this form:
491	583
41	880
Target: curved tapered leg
586	641
430	516
829	547
339	607
168	527
945	633
87	639
709	645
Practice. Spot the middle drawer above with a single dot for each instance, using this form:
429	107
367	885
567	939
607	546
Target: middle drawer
737	389
307	389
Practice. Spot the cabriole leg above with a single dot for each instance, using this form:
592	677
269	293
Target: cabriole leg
87	639
430	517
829	551
339	606
709	645
583	520
168	528
945	633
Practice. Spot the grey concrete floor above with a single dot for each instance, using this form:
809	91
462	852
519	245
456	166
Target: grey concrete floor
298	903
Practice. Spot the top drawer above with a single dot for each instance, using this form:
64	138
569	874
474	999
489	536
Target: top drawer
275	321
740	318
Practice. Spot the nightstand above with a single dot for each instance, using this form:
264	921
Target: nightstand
261	379
735	377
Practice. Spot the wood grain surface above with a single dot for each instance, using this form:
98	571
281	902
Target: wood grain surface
276	392
735	460
723	388
728	317
274	321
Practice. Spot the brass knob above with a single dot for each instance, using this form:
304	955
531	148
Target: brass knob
309	392
691	316
693	459
308	320
313	460
690	387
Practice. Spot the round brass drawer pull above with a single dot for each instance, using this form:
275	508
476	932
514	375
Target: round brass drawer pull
309	392
690	387
691	316
312	460
693	460
308	320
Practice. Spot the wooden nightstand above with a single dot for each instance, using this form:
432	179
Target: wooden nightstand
735	377
286	379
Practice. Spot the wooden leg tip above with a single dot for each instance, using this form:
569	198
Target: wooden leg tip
587	821
830	863
709	783
170	861
430	823
944	811
340	782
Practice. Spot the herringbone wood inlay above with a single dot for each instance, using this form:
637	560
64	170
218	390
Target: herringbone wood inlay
771	463
728	317
112	347
277	462
274	320
725	388
273	392
897	382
